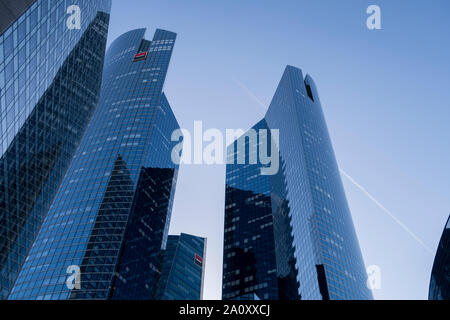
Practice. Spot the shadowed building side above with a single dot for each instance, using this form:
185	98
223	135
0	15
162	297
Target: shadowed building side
144	236
258	250
11	10
49	93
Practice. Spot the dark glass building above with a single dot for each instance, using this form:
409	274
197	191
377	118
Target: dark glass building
257	260
183	268
50	78
111	215
291	235
440	276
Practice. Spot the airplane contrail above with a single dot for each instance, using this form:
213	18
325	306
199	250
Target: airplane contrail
401	224
251	94
389	213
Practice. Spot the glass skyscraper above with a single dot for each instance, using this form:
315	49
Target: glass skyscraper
50	78
183	268
111	214
291	235
258	259
440	276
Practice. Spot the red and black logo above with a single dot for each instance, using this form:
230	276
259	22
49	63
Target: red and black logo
198	260
140	56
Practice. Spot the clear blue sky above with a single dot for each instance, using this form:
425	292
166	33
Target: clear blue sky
385	94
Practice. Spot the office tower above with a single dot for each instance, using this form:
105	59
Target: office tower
110	216
298	217
183	268
258	260
440	276
50	78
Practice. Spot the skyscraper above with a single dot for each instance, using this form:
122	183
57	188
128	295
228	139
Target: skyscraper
110	217
258	257
440	276
183	268
50	77
291	235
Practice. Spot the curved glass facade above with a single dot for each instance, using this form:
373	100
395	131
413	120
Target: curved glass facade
440	276
111	214
328	257
50	79
293	233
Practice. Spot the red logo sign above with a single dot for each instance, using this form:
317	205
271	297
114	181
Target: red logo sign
140	56
198	260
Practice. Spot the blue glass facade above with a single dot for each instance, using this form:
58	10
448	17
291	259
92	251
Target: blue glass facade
183	267
111	214
258	255
311	229
440	276
50	80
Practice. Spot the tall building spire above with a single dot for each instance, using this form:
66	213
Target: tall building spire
291	235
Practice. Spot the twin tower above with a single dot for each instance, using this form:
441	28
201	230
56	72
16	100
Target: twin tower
87	181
